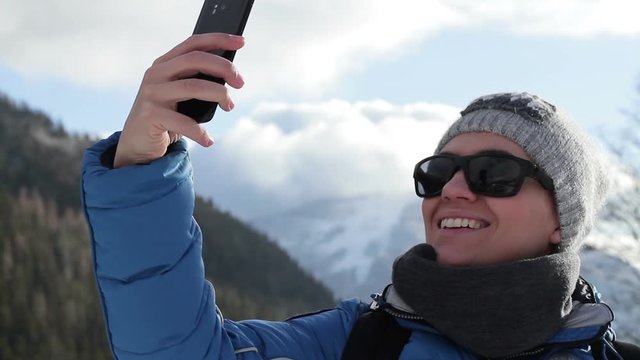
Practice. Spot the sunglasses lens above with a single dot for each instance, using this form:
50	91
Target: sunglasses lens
494	176
432	175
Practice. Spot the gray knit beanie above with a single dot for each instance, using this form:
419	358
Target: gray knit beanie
562	151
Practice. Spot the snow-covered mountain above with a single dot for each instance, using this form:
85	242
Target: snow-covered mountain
350	244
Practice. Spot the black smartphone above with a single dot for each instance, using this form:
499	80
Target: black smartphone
216	16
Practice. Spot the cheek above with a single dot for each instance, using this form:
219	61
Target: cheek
506	212
542	210
535	215
428	208
514	212
547	215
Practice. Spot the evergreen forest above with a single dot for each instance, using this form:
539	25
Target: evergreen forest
49	308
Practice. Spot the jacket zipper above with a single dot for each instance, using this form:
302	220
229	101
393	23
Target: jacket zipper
404	316
524	354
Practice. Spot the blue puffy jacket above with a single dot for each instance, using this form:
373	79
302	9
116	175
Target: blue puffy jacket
157	304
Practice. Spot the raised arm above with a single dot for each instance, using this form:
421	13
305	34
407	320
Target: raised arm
138	198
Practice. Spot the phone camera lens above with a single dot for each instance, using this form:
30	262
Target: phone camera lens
218	7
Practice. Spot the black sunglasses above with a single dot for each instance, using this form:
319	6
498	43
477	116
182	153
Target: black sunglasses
496	175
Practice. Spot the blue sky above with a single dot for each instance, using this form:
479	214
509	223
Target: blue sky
306	62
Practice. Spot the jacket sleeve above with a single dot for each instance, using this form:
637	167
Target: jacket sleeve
148	265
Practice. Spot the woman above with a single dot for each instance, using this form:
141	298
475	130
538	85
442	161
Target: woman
507	200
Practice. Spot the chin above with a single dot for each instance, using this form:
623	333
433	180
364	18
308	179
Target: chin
455	263
457	259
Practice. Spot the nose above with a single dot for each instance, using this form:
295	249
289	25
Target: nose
457	188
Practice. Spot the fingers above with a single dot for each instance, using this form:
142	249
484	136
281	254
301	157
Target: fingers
172	92
168	80
180	125
192	63
153	122
203	42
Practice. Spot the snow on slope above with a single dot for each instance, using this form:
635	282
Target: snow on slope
340	240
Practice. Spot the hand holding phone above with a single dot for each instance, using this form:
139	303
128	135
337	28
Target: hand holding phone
153	122
216	16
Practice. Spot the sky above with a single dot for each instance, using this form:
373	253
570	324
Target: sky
353	91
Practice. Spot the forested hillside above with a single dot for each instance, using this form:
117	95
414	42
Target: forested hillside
49	308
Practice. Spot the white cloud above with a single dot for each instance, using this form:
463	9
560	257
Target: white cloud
99	44
295	46
284	155
575	18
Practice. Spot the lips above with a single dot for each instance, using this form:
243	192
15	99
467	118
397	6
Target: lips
461	223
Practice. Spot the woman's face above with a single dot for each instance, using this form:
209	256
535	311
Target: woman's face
505	229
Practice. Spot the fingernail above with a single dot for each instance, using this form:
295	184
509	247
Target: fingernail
231	105
208	141
238	38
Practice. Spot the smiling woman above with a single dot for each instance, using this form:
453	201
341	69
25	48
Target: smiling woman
529	184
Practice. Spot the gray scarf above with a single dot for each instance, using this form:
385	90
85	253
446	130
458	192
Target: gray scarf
495	310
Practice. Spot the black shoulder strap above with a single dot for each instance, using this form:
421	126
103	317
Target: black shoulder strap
627	350
376	335
585	294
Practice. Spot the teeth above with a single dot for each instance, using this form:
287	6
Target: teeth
452	223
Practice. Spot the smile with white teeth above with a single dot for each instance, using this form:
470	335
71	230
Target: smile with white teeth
454	223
